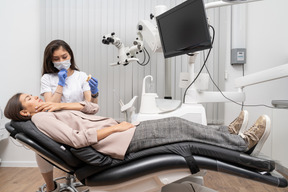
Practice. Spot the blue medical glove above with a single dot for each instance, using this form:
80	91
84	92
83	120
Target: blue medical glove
93	83
62	74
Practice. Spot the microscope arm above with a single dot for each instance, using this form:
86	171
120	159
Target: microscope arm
262	76
226	3
196	96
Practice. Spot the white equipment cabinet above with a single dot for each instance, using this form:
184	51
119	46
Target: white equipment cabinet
279	133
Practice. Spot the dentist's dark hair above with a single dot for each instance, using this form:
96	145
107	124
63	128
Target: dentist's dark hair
48	66
13	108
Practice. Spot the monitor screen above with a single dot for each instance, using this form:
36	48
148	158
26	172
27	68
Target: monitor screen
184	29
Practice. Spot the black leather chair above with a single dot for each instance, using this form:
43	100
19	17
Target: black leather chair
163	165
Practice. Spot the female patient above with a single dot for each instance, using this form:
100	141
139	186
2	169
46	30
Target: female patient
73	124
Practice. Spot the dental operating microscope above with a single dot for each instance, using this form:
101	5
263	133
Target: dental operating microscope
190	108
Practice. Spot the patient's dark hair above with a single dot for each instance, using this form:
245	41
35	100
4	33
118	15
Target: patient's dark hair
13	108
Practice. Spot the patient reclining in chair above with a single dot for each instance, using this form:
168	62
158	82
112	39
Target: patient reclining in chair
76	125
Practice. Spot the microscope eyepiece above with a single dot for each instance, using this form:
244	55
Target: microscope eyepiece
104	41
110	40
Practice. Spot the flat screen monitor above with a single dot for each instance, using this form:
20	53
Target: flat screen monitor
184	29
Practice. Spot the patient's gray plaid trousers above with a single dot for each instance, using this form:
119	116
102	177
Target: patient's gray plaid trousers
158	132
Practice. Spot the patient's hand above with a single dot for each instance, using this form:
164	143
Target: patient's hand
123	126
102	133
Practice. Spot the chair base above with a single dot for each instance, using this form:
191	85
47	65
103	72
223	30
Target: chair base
70	184
152	182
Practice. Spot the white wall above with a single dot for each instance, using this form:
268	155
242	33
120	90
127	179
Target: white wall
20	64
267	47
82	24
21	53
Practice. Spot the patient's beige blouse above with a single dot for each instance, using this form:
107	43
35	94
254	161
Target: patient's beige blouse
79	129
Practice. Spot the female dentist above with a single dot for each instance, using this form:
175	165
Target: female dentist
62	82
61	79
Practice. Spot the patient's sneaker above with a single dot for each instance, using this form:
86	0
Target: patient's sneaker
239	124
256	135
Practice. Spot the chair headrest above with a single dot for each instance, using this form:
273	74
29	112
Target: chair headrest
12	131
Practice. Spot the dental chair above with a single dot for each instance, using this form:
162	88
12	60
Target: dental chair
146	170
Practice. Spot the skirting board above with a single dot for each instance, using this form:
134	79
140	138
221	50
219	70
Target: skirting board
18	164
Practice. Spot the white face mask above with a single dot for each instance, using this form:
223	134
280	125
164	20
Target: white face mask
62	65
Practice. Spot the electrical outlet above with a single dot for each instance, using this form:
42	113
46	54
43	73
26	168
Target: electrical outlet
238	56
1	114
3	134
